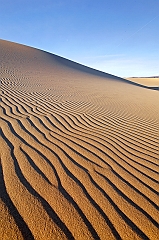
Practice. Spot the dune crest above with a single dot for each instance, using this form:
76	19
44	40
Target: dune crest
146	81
79	151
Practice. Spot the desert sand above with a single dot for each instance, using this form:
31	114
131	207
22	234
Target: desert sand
79	151
146	81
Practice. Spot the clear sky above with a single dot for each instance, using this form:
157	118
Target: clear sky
120	37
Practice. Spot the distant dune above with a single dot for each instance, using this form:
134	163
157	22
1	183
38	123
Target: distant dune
79	151
147	81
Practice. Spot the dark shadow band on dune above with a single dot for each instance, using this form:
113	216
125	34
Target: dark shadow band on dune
82	68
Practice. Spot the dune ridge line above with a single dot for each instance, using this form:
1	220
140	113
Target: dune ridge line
79	150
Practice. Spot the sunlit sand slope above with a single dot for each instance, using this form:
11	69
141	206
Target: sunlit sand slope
79	151
147	81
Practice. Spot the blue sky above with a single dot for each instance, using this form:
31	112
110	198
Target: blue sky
120	37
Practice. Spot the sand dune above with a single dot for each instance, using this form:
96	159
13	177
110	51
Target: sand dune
147	81
79	151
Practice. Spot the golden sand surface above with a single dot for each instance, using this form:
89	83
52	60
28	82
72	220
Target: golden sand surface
79	151
147	81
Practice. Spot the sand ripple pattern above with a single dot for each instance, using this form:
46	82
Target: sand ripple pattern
79	151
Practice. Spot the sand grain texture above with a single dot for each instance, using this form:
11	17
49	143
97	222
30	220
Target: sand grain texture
79	151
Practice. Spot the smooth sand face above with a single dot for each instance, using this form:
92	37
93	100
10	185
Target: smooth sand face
149	81
79	151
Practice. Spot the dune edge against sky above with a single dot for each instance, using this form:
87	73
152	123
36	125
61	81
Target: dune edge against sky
79	151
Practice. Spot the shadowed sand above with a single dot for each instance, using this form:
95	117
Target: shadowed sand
79	150
147	81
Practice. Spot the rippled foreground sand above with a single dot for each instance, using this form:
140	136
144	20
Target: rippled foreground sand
79	151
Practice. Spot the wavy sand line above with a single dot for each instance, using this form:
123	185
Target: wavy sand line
79	151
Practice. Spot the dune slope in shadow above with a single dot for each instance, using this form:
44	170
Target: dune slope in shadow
152	82
79	151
